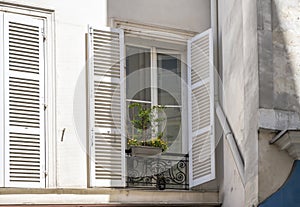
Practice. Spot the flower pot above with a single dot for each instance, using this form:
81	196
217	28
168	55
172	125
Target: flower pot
145	151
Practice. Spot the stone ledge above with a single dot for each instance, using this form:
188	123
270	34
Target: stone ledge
116	197
278	119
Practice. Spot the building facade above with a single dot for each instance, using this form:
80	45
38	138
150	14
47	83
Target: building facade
74	76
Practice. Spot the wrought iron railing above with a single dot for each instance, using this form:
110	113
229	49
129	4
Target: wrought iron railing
165	171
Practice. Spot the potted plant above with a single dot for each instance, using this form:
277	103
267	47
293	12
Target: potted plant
146	136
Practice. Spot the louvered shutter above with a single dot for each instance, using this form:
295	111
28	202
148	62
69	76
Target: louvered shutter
107	106
201	109
1	104
24	102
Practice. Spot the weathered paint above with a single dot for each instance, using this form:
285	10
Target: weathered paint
278	38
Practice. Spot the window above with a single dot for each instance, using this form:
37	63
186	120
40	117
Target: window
22	104
139	69
156	76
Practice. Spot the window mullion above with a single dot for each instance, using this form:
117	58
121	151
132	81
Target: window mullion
154	73
184	104
154	83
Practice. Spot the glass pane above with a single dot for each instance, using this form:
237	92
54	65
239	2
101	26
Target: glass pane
169	79
135	131
138	76
172	130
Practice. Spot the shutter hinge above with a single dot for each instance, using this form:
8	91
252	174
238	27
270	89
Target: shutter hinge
92	138
44	35
45	107
90	30
45	173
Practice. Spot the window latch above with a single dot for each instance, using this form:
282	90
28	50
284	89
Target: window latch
62	135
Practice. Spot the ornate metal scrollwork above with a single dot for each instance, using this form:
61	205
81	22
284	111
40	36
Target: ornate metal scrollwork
167	171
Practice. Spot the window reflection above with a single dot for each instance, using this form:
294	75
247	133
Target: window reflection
138	74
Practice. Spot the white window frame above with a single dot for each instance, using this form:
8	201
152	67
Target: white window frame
47	16
154	87
184	99
173	40
155	36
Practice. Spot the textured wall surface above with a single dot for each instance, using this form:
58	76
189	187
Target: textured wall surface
233	94
279	64
279	57
240	97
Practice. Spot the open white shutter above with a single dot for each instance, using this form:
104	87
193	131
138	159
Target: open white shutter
24	102
1	104
201	109
107	106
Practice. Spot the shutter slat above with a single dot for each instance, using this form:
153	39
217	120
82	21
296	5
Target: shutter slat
201	109
24	99
106	102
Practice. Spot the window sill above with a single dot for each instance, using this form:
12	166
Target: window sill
108	196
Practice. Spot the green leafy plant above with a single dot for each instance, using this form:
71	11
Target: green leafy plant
146	124
154	142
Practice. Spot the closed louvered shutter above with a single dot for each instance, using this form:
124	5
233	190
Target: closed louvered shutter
201	109
24	101
107	102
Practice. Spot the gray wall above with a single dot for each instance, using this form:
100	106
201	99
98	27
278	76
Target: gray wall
193	15
279	62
